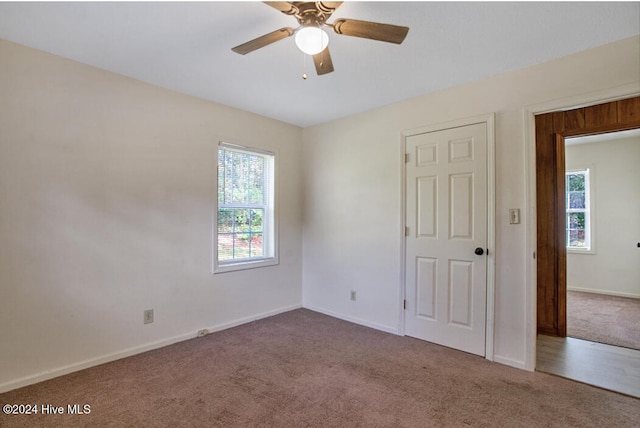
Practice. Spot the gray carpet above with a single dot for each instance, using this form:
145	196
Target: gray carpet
304	369
605	319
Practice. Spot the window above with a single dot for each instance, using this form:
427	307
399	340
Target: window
245	232
578	203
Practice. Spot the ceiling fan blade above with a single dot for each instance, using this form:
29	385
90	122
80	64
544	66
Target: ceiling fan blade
283	6
263	41
371	30
323	62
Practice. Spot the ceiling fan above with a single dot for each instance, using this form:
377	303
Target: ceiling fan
312	39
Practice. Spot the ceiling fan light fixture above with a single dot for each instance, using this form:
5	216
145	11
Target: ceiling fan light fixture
311	40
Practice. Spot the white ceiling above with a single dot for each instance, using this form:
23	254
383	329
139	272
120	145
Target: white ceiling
186	47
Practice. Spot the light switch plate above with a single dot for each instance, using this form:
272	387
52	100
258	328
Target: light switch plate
514	216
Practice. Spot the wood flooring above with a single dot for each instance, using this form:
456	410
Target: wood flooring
605	366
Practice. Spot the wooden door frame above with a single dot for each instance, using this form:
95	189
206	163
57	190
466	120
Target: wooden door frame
551	129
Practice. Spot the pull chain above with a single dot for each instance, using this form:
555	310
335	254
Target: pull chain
304	67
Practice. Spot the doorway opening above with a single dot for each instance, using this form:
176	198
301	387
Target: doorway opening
562	224
603	230
551	252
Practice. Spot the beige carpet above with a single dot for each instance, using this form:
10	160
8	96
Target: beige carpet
605	319
304	369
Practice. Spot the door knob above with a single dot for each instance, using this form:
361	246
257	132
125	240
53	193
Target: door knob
479	251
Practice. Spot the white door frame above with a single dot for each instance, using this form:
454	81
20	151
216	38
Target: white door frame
489	120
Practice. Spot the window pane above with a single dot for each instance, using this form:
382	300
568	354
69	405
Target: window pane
221	177
228	167
255	191
576	230
241	246
257	227
242	221
240	178
236	175
225	246
576	200
575	182
576	238
575	221
226	221
256	245
257	218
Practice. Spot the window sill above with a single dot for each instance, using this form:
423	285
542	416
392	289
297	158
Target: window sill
244	265
581	252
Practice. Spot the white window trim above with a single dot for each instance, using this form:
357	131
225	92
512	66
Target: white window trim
590	204
231	266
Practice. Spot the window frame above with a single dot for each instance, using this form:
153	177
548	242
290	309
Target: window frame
589	228
270	224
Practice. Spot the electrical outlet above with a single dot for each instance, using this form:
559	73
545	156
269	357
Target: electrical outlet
353	295
148	316
203	332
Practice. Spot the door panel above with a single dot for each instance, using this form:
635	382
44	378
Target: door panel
460	292
461	206
426	287
427	207
446	282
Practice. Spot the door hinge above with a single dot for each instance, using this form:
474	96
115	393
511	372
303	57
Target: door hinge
404	304
406	158
406	231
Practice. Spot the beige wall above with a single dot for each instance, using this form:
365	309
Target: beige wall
105	207
353	179
614	266
106	188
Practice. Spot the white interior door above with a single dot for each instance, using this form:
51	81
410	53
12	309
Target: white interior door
446	242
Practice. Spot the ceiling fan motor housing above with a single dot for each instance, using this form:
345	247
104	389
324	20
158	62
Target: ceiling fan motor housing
312	13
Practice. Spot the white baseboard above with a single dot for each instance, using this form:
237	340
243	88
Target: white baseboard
354	320
60	371
496	358
245	320
509	362
605	292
